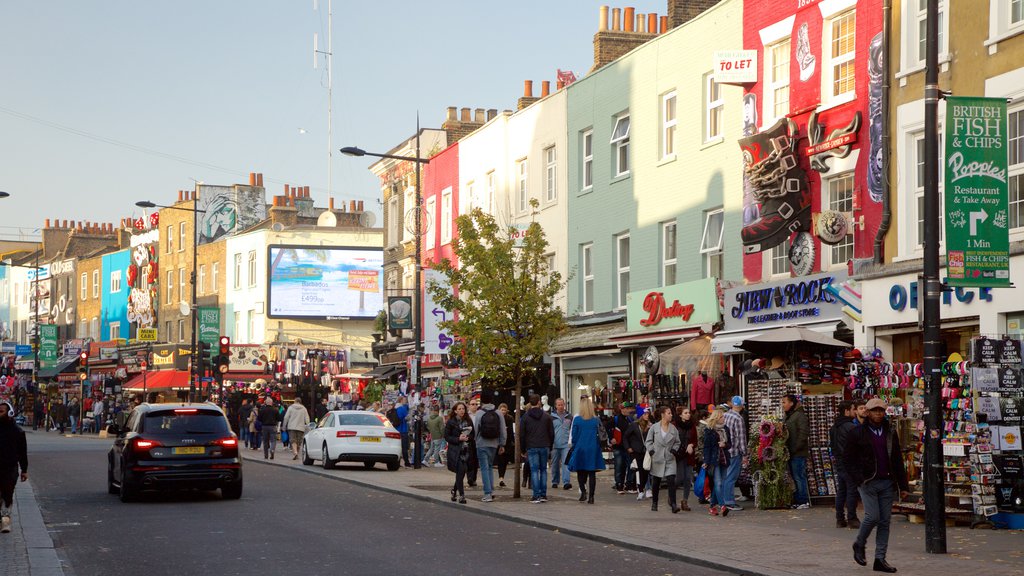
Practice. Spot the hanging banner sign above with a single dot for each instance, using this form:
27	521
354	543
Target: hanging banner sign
435	340
976	192
209	324
47	345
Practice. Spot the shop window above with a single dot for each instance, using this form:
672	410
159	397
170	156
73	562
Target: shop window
668	253
620	145
840	199
711	243
1015	135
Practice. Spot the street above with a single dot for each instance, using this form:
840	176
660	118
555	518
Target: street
288	522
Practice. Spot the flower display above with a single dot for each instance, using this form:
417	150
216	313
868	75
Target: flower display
768	464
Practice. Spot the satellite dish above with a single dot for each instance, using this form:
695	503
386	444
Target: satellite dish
367	219
184	308
277	227
327	219
652	360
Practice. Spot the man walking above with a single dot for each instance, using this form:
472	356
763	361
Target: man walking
296	418
873	459
846	491
98	408
269	419
59	415
798	444
561	422
490	440
435	427
402	416
13	454
737	452
538	434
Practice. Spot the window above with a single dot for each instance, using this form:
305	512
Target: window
181	236
214	273
95	283
238	271
446	215
167	330
668	124
780	259
587	265
170	286
85	286
394	221
94	328
252	268
919	187
621	269
714	104
251	326
550	175
1016	12
202	279
668	253
115	282
777	73
840	199
428	230
170	238
920	19
522	186
620	145
588	160
83	328
181	330
711	242
115	330
489	201
549	265
1015	139
238	326
181	283
838	73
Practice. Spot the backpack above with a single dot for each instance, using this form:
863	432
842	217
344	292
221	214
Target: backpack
490	425
392	416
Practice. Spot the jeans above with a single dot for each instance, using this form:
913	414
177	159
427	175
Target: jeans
269	434
405	448
435	450
486	458
538	458
798	470
877	496
718	485
621	466
846	497
684	478
732	474
74	424
559	469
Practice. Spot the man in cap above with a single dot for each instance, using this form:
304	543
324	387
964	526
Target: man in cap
737	452
873	460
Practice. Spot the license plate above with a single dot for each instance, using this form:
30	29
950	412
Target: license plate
369	438
189	450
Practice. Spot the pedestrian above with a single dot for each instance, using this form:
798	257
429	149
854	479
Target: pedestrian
59	415
663	445
586	457
38	413
255	427
716	459
457	433
636	446
269	419
798	444
74	411
509	455
846	490
402	427
490	441
873	458
472	465
320	410
538	435
686	459
737	452
435	427
244	411
561	421
860	411
617	427
13	455
98	408
296	418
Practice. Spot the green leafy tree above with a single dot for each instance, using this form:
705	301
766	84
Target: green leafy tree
504	315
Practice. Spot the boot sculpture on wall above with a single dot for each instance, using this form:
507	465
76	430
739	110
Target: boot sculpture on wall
780	187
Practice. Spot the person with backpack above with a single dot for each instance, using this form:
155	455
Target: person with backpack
398	420
490	440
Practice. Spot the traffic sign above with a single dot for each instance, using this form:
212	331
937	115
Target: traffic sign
22	350
147	335
207	379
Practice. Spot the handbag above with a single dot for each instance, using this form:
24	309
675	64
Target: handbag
698	484
647	460
568	453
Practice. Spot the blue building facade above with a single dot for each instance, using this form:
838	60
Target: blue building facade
114	317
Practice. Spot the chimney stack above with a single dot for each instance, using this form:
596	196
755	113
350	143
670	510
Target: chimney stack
181	196
252	178
528	97
652	23
330	204
465	115
682	11
602	19
479	116
545	88
616	12
351	205
663	25
360	206
453	114
627	19
635	30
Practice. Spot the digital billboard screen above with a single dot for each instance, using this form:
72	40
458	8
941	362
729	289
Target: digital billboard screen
326	282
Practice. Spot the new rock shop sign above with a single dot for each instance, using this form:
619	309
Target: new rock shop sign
804	300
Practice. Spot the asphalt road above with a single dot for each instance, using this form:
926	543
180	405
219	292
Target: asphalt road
288	522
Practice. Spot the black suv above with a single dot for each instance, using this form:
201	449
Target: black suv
174	446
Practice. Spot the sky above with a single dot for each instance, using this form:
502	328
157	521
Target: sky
105	103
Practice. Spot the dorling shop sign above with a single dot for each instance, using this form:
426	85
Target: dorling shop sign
796	301
676	306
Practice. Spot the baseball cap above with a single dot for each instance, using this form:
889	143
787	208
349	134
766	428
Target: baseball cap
737	400
876	403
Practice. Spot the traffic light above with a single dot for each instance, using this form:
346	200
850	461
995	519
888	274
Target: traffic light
224	359
83	365
206	353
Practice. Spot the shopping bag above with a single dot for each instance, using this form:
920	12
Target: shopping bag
284	436
698	484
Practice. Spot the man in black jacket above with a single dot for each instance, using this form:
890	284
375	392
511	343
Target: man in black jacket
846	491
873	460
13	454
269	418
536	437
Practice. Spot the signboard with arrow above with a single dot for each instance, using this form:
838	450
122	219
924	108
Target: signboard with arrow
435	340
976	192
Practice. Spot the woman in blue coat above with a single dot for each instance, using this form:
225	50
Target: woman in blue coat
586	458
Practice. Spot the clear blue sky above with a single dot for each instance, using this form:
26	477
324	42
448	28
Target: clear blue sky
105	103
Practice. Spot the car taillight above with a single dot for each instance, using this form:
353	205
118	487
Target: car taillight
346	433
395	435
143	445
227	442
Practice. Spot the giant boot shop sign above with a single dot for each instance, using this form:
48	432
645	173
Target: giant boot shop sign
977	216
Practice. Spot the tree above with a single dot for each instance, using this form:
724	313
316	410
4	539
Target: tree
502	301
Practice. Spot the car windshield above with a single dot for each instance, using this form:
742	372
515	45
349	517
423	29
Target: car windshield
175	422
364	419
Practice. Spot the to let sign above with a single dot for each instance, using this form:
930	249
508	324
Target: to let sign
976	191
736	66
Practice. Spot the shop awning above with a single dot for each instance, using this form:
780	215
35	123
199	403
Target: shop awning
585	337
647	339
351	375
62	365
384	372
161	379
728	342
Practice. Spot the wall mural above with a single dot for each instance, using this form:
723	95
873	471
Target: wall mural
779	185
875	128
143	272
750	212
228	210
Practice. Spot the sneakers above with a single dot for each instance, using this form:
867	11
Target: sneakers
647	494
639	496
733	508
725	511
841	523
620	491
713	510
543	498
534	500
804	506
742	498
501	484
487	498
5	524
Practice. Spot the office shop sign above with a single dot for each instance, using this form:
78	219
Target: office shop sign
804	300
676	306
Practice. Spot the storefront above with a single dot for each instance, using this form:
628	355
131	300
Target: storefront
584	361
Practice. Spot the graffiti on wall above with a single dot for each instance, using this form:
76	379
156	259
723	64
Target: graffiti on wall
143	272
875	128
228	210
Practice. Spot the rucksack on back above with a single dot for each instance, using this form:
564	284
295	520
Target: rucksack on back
490	425
392	416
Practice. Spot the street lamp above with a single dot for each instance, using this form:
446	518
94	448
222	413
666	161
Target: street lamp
4	194
197	361
418	290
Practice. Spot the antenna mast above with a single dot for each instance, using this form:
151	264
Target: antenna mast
329	53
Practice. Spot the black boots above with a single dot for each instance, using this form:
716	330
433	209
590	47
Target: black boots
883	566
654	504
583	494
859	555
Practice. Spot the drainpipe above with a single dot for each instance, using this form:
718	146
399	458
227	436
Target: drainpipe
883	227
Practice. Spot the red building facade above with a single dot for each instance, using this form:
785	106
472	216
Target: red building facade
440	191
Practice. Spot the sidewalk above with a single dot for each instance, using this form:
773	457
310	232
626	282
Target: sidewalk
28	550
769	543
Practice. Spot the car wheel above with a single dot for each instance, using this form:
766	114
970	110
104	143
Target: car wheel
392	466
127	492
369	465
232	491
111	487
306	460
328	463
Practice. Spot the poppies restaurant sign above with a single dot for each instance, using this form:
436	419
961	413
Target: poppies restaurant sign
802	300
677	306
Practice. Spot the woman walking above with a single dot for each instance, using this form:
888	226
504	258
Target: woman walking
663	444
687	456
716	459
586	458
509	455
636	447
457	433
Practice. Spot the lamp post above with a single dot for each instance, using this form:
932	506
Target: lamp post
417	289
197	362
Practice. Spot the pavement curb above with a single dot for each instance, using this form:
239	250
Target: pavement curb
707	561
42	556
